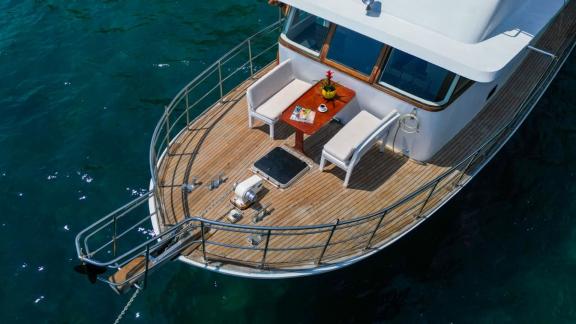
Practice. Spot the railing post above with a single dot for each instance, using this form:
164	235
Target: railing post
187	106
167	125
146	269
159	203
114	236
250	57
220	79
279	13
156	193
375	230
268	234
327	242
472	159
428	198
203	242
155	161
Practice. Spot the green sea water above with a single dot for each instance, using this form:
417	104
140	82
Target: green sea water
82	85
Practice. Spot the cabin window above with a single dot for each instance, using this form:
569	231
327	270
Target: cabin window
416	77
354	50
413	79
306	30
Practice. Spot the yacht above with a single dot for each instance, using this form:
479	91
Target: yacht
329	135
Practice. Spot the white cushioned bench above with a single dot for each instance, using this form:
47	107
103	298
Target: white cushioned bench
273	93
354	139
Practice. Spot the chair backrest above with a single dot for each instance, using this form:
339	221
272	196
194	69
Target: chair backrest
270	84
377	134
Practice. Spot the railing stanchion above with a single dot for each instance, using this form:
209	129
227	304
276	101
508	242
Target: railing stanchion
146	269
114	235
250	57
203	242
156	192
279	13
327	242
428	198
472	159
220	80
268	234
187	106
167	125
376	229
157	206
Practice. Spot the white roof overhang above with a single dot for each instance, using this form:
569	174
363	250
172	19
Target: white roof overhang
481	61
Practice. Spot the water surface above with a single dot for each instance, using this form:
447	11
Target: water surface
83	84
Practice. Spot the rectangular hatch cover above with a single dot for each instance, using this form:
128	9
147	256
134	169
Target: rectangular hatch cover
280	167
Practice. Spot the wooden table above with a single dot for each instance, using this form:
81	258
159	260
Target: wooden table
312	99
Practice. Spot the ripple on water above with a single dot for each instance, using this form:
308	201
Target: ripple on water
52	176
138	192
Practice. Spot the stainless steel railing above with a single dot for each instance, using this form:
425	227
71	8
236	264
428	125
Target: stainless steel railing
274	247
108	253
250	56
361	236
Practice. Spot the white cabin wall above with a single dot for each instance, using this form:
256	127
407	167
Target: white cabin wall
436	128
441	126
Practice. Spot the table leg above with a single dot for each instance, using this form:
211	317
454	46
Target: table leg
299	141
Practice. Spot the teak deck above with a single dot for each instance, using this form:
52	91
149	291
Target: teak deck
221	142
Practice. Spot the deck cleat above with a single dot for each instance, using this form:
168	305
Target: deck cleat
189	187
217	182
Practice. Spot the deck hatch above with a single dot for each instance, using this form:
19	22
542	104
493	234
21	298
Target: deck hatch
280	167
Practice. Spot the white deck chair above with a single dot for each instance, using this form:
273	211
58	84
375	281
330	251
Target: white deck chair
273	93
354	139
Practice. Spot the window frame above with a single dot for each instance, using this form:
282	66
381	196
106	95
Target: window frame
308	51
456	86
450	82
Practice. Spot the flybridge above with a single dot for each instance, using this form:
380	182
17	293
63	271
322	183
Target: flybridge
474	39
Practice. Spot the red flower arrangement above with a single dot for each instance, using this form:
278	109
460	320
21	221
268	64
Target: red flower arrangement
327	84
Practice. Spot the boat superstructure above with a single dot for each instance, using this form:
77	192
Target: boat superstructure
456	96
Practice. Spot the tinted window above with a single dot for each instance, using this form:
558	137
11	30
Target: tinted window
307	30
415	76
354	50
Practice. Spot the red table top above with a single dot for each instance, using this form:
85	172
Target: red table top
311	100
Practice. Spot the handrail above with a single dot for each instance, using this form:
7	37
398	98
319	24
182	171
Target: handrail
401	201
189	87
107	220
156	239
363	236
161	140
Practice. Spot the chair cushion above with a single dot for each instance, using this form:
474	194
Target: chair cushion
269	84
342	145
273	107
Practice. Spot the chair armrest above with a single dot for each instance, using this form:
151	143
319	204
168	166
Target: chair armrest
270	84
384	126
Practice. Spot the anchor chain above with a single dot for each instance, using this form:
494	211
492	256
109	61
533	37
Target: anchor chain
125	309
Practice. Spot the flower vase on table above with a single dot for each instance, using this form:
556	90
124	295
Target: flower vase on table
328	86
